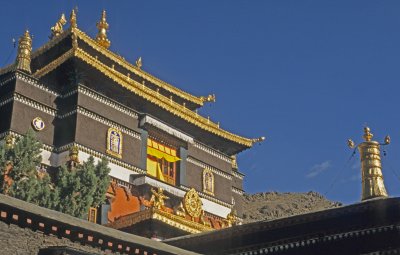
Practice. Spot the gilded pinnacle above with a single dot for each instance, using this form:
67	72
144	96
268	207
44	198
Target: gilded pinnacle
72	19
371	167
102	26
23	60
57	29
367	134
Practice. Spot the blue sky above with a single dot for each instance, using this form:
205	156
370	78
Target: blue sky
308	75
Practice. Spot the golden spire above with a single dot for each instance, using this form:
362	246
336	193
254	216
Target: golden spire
101	37
371	167
57	29
23	60
72	19
139	63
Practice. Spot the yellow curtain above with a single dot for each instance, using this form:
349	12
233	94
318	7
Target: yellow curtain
151	167
159	154
154	169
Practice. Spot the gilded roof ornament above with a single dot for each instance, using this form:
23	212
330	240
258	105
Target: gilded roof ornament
209	98
258	140
72	19
23	60
57	29
158	197
371	167
231	218
139	63
101	37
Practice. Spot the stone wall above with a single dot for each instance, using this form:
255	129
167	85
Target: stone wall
23	241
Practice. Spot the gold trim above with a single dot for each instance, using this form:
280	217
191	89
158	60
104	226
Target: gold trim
161	100
37	128
138	71
54	64
108	150
156	214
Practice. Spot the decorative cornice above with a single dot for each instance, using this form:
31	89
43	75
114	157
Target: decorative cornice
100	155
238	174
170	130
213	152
206	166
208	197
102	99
35	83
139	72
108	122
237	191
34	104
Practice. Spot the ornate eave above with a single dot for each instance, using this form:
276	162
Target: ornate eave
165	217
125	81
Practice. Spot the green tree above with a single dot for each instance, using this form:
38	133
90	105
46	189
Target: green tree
83	187
73	191
27	184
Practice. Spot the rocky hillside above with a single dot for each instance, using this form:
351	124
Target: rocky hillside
273	205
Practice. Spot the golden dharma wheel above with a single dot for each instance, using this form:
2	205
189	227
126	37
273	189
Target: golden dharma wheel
192	203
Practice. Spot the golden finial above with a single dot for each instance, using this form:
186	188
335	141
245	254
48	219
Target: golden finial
57	29
101	37
258	140
209	98
387	140
23	60
371	167
350	143
139	63
367	134
72	19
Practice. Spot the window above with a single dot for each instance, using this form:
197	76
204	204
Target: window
161	161
92	216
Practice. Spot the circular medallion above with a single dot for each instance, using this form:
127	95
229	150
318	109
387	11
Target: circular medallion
38	124
192	203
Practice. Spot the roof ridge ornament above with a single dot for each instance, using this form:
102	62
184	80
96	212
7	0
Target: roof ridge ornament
371	167
139	63
57	29
72	19
101	37
23	60
209	98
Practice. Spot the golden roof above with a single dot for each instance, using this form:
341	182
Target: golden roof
125	81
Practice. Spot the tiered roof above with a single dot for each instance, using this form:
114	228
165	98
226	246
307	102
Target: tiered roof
74	43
